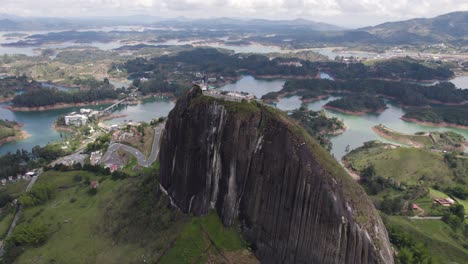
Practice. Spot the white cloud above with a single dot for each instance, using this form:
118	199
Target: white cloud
334	11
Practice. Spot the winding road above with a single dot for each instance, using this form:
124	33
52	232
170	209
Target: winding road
141	159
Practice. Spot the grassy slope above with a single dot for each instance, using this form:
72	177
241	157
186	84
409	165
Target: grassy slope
195	239
76	235
436	235
73	238
408	164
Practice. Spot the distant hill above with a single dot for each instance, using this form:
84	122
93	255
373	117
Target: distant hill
451	27
253	24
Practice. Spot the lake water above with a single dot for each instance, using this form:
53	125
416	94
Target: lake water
254	86
146	111
460	82
359	127
39	124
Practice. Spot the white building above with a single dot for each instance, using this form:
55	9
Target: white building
77	120
85	111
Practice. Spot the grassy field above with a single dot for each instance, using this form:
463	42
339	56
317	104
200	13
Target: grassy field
408	165
6	132
438	237
5	222
14	189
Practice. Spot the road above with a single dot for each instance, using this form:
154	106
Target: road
141	159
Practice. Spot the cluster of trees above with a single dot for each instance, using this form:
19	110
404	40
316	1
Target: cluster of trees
10	85
317	124
22	160
359	103
92	83
39	194
102	142
409	251
215	61
410	69
27	234
52	96
438	114
455	216
406	93
158	85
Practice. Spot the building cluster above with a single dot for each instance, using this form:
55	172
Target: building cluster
230	95
95	157
80	118
203	81
11	179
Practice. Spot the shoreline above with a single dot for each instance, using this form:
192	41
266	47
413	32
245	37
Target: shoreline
354	174
399	140
356	113
62	128
426	123
19	135
4	100
110	117
58	106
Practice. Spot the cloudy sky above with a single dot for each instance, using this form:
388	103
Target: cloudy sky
351	13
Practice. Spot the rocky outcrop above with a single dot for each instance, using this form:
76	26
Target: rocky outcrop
255	167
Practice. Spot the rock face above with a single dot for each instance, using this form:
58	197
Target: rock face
255	167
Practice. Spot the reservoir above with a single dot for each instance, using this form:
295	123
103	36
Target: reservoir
39	124
358	127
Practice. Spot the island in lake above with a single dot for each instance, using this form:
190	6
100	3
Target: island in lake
10	131
357	104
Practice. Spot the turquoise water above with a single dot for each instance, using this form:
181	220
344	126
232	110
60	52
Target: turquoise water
39	124
359	127
146	111
254	86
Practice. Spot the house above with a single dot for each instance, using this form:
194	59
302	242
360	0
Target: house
10	178
444	201
94	185
31	174
3	181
